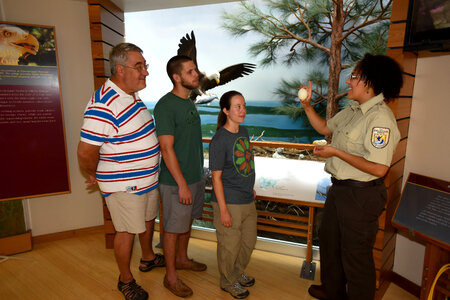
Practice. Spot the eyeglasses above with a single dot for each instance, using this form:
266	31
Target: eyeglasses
353	76
139	68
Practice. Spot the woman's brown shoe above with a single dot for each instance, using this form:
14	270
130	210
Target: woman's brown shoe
318	292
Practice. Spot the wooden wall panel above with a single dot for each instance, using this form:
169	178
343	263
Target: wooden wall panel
399	10
384	259
107	29
381	220
396	35
400	152
388	261
408	86
99	81
381	257
401	107
394	190
109	241
106	213
100	50
388	232
98	14
382	285
396	171
110	6
393	193
382	238
407	60
384	273
101	68
109	227
379	244
385	228
100	32
403	126
392	205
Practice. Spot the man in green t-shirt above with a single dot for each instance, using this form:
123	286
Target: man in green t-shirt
181	177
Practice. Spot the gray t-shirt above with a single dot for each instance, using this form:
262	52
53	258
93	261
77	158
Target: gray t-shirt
232	153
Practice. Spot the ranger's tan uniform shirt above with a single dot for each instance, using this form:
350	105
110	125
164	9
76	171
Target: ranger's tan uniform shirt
368	130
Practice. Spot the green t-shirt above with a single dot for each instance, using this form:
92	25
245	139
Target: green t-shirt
179	117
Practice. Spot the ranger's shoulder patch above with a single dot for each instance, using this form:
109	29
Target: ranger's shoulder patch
380	137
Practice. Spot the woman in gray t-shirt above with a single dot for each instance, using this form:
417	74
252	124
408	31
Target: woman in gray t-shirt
233	198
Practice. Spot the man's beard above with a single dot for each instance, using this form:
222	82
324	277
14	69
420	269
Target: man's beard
188	85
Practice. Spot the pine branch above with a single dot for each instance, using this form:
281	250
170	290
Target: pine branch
381	16
347	12
290	34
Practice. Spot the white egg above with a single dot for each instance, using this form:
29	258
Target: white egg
320	142
302	94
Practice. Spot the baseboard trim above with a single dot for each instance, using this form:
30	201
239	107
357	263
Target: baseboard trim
67	234
406	284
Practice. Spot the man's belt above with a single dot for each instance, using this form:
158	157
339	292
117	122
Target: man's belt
356	183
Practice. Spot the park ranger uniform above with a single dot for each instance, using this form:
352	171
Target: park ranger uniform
356	199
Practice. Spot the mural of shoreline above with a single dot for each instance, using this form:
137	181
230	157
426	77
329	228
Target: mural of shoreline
260	117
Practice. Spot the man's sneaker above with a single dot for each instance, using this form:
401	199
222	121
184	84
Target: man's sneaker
246	280
237	291
132	290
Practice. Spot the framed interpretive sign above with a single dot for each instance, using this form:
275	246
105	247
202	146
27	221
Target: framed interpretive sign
32	137
290	179
424	209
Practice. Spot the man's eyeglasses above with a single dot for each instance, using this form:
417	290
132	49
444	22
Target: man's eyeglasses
139	68
353	76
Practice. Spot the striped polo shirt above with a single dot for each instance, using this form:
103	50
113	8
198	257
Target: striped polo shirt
125	131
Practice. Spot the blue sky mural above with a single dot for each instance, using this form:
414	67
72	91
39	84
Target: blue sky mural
158	33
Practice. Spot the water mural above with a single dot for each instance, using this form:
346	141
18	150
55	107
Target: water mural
261	121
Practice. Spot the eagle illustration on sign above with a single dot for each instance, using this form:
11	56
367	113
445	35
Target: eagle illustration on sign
15	43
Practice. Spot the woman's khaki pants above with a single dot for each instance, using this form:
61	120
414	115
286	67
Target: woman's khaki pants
235	244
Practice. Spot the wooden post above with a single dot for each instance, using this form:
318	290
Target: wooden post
308	267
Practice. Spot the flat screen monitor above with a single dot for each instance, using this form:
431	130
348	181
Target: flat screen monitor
428	26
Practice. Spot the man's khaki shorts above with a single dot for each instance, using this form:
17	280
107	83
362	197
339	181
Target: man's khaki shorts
129	212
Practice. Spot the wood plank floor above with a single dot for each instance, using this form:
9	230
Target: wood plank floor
81	268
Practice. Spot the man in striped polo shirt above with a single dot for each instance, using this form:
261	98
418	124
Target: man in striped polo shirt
119	151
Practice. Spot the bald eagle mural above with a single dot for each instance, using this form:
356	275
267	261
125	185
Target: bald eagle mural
15	43
216	78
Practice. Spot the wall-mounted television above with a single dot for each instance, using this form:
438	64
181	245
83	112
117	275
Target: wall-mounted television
428	25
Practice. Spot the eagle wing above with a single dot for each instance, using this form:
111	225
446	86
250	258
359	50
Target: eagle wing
187	47
228	74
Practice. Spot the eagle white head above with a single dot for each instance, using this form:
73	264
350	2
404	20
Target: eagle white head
14	43
213	75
